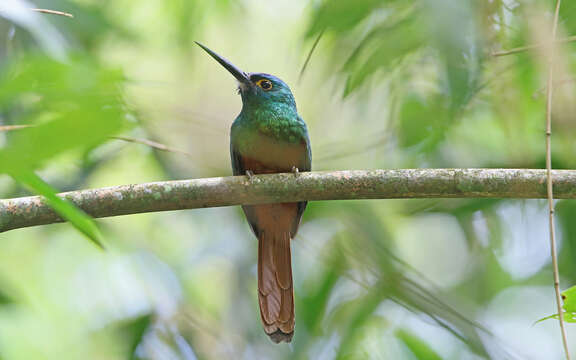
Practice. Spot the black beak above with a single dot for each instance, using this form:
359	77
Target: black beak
238	74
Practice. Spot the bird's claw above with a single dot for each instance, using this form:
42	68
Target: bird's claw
295	171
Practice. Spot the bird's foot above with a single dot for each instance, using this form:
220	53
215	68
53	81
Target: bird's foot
295	171
250	174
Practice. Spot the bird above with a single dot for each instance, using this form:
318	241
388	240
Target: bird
267	137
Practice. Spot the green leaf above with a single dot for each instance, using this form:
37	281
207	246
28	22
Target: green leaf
78	218
129	332
6	299
569	297
71	106
416	126
340	16
567	16
317	300
566	211
133	331
417	346
363	308
569	306
555	316
568	317
382	48
453	27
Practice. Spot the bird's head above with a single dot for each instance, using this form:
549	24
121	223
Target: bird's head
256	88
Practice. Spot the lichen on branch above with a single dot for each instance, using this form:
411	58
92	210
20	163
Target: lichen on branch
274	188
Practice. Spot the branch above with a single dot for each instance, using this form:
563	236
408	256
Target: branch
531	47
274	188
53	12
13	127
153	144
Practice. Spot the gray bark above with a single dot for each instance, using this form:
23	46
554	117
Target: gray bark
274	188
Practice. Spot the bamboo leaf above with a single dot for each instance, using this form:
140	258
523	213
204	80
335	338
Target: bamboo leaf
79	219
418	347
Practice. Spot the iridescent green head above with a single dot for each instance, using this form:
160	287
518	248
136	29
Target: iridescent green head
256	88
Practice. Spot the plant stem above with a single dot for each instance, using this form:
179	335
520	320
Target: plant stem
549	184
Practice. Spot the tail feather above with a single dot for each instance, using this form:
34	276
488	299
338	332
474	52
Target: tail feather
275	290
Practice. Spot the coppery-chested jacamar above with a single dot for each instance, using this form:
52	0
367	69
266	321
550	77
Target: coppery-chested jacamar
269	136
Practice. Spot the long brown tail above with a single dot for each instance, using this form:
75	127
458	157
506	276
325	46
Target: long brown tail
275	290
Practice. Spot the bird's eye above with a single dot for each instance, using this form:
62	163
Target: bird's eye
264	84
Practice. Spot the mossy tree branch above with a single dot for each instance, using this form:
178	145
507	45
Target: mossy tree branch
338	185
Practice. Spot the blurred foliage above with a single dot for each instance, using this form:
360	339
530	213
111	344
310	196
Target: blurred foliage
56	99
419	348
391	84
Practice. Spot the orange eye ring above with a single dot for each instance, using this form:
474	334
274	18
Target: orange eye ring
264	84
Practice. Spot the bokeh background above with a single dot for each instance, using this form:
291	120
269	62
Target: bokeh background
390	84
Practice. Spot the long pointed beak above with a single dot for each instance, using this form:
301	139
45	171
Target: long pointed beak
238	74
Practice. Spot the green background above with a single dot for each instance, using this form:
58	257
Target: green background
391	84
